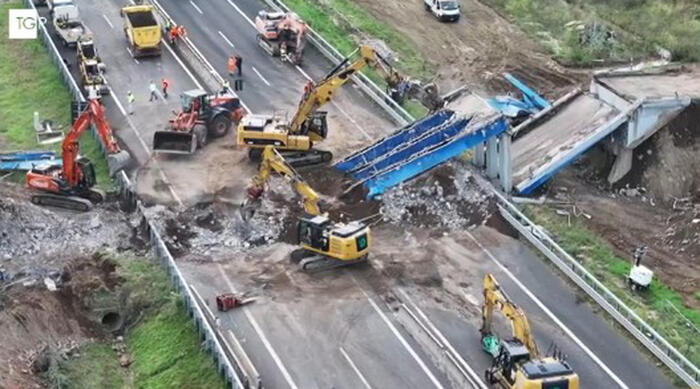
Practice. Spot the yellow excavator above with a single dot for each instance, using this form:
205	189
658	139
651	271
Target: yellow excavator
516	361
324	244
296	138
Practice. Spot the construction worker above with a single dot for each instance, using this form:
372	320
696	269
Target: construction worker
154	91
165	83
308	87
130	99
239	65
174	33
231	66
225	87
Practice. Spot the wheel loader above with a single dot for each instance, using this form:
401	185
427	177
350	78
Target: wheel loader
202	116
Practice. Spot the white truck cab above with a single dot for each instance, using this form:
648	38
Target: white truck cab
444	10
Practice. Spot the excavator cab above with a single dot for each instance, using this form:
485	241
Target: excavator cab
89	178
313	232
317	124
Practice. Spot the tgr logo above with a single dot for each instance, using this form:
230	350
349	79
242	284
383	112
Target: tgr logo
23	23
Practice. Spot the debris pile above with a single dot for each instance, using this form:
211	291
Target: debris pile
34	237
207	230
448	199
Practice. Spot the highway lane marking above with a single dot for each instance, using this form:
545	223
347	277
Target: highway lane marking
401	339
107	20
261	76
551	315
443	339
342	111
143	143
263	338
241	12
132	55
197	8
226	39
354	367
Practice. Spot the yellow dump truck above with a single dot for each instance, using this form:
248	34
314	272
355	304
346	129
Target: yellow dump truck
142	30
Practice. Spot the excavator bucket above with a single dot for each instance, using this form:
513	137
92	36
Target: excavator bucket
174	142
118	161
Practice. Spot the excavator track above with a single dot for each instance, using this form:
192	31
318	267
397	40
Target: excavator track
297	159
66	202
311	262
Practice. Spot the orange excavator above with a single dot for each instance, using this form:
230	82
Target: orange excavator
71	185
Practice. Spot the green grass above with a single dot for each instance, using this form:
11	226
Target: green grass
163	346
167	353
346	25
30	82
97	368
598	256
639	25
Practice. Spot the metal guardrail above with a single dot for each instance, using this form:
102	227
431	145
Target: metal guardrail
129	202
625	316
372	90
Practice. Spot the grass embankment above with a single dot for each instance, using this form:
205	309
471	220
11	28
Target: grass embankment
640	26
29	81
654	305
164	346
345	25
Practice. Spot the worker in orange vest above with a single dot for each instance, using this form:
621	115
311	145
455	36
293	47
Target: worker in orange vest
165	83
173	33
232	66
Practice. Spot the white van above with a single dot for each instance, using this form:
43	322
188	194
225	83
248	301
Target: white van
444	10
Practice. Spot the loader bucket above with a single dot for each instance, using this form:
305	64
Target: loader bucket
118	161
174	142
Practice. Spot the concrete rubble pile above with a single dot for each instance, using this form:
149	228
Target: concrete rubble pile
38	237
455	203
208	230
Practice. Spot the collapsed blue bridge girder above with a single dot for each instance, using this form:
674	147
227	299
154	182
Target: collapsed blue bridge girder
26	160
417	148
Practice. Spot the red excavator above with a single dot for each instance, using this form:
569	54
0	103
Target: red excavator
282	34
201	116
71	185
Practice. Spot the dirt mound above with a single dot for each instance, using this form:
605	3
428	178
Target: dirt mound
477	49
56	310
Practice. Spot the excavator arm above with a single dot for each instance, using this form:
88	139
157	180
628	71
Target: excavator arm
71	148
272	161
496	299
322	92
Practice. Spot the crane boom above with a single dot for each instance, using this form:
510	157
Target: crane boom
495	298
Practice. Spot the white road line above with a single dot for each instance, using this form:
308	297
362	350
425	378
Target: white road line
342	111
145	147
354	367
403	341
189	73
226	39
549	313
260	75
472	374
241	12
132	55
262	336
197	8
107	20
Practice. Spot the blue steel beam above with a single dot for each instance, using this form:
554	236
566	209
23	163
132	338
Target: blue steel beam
437	155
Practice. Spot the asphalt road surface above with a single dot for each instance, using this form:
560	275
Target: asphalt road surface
336	331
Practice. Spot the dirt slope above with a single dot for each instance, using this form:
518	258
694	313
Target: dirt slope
476	49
